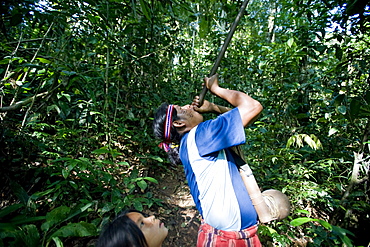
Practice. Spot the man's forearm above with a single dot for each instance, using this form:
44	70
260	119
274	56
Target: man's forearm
218	109
234	97
249	108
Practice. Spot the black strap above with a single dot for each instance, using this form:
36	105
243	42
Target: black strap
236	153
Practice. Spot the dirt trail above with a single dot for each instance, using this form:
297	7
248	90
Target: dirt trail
178	212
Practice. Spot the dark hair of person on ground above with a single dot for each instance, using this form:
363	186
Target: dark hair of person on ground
133	228
122	231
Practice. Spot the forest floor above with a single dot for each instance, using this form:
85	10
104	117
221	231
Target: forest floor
178	211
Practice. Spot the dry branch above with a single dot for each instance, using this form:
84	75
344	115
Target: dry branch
19	104
31	40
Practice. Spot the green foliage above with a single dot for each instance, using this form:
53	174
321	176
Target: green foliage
17	231
97	180
76	189
318	232
277	239
324	234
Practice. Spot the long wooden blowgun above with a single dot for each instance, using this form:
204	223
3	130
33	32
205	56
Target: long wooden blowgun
223	50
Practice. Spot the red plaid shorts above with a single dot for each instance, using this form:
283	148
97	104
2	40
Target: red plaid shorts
209	236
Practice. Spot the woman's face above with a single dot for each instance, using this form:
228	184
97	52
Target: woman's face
153	229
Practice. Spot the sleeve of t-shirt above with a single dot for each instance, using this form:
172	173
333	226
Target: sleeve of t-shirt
225	131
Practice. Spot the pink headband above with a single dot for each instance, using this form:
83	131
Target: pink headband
167	129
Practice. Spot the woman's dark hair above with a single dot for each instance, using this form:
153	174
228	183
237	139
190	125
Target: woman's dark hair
122	231
158	127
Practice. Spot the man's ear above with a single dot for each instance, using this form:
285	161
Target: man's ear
179	124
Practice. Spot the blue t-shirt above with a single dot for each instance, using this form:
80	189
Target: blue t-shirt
214	180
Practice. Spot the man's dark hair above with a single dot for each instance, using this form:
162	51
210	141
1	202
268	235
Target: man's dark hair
175	137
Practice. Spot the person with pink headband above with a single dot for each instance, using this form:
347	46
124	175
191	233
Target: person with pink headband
204	150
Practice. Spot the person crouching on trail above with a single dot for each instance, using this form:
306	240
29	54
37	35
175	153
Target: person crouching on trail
203	148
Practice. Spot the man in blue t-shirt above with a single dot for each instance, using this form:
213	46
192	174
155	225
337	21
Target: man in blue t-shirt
203	148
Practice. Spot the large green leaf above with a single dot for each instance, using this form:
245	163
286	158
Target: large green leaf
142	184
7	210
145	9
81	229
29	235
24	219
300	221
303	220
55	217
